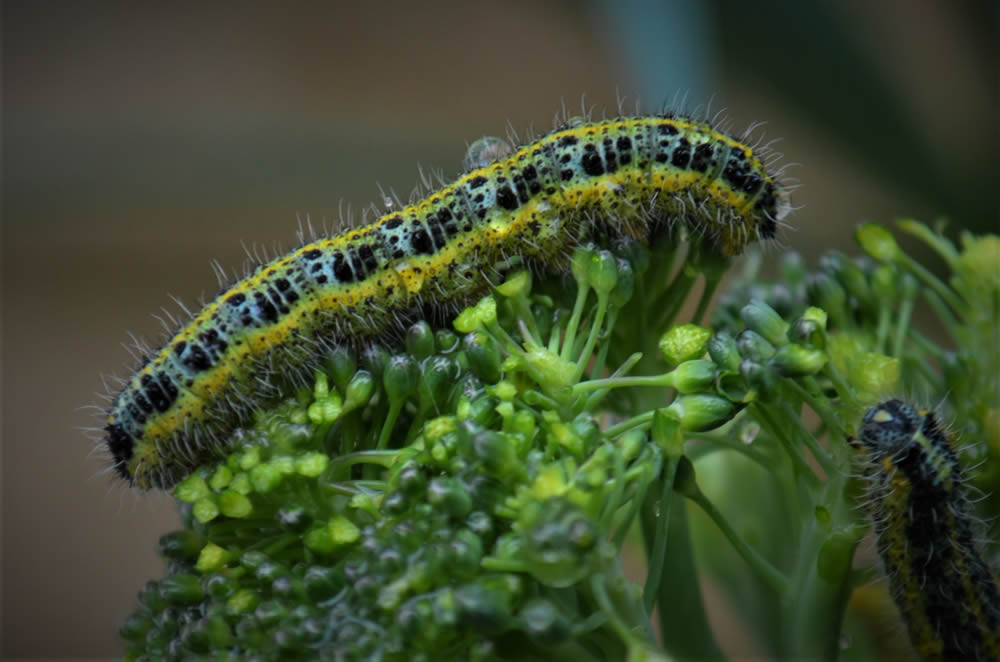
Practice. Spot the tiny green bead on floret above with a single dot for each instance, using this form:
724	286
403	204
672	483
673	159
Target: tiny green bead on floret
684	342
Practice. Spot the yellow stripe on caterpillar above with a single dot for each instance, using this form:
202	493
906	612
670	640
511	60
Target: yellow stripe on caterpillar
631	176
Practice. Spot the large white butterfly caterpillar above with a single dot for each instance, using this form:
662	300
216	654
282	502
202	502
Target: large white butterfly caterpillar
631	176
948	595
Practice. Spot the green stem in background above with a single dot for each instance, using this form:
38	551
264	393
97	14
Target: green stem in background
944	314
940	244
714	444
712	283
932	281
655	554
804	436
902	325
761	566
574	320
801	467
640	421
674	297
684	626
591	402
389	424
595	330
882	330
821	583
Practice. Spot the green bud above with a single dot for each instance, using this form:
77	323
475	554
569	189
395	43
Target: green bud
884	282
265	477
483	313
359	390
556	371
754	346
181	589
446	341
440	374
251	458
849	275
219	586
667	433
580	264
602	272
221	478
724	351
242	601
326	409
483	355
809	333
465	554
136	627
192	489
420	340
343	531
401	378
450	495
483	410
270	612
693	376
566	437
150	598
760	317
780	298
877	242
700	411
269	571
411	479
321	583
830	296
181	545
798	361
625	285
684	342
235	505
632	443
374	359
311	464
496	452
544	623
205	510
793	268
482	610
341	365
516	285
319	540
211	558
218	634
732	385
763	380
241	484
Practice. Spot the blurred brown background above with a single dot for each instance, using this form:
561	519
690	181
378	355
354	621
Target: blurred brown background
139	143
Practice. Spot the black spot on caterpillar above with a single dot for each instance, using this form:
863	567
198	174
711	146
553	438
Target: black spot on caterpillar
628	177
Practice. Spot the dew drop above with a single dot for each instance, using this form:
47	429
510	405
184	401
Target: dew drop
749	433
485	151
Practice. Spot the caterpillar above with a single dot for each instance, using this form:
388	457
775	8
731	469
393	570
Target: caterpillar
948	595
626	177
